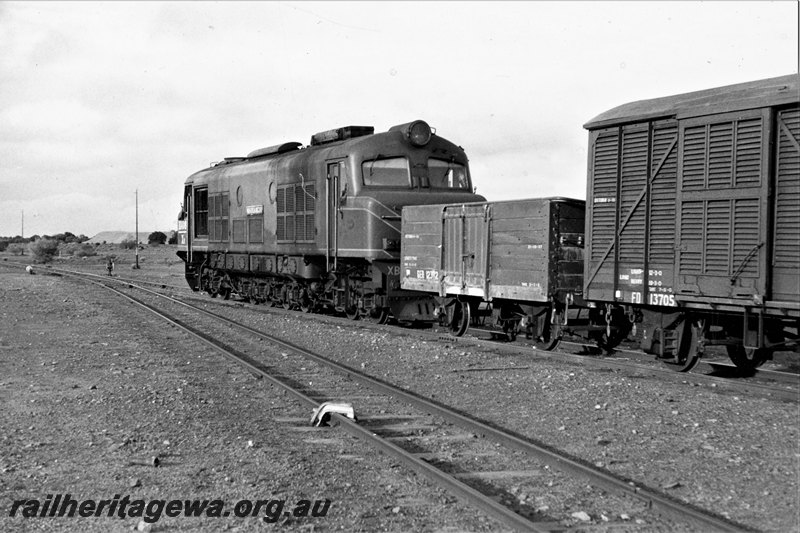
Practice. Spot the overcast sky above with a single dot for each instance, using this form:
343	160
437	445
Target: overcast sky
100	99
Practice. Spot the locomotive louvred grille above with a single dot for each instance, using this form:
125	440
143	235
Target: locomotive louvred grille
218	217
311	195
787	209
280	208
280	229
255	229
299	207
633	182
239	231
662	196
289	213
296	204
604	193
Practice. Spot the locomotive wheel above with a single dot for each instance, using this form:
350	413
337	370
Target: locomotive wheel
307	305
459	318
748	358
689	346
226	293
551	332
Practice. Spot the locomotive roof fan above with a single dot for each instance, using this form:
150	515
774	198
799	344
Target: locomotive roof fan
418	133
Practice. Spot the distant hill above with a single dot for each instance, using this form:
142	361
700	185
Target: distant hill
116	237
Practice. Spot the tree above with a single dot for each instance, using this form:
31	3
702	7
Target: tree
16	248
43	250
173	237
157	237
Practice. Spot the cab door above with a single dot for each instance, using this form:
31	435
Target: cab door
333	192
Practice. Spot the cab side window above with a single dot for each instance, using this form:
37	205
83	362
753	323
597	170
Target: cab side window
201	213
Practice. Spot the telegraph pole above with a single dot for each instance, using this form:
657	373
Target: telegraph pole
22	229
136	264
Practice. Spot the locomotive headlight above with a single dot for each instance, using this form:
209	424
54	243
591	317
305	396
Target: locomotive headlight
419	133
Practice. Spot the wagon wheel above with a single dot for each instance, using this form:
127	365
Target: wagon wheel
378	315
510	330
690	346
459	316
549	328
225	292
748	358
352	312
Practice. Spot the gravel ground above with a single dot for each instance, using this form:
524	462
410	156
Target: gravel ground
93	390
737	455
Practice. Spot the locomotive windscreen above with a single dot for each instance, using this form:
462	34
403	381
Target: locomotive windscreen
393	172
447	175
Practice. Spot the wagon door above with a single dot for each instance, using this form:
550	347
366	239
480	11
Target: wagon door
465	241
786	251
723	206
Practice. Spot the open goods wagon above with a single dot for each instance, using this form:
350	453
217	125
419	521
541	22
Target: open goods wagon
693	220
524	258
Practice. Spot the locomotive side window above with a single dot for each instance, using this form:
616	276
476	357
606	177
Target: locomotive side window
447	175
392	172
201	212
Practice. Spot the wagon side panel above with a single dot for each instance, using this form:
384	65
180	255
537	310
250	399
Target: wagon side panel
601	214
520	249
421	247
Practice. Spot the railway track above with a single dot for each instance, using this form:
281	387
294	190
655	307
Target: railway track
716	375
418	431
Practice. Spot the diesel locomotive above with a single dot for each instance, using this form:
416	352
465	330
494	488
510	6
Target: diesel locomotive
317	227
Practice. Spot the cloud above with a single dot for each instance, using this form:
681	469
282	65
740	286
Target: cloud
100	99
